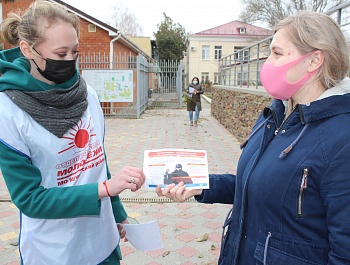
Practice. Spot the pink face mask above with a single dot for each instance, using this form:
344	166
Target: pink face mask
273	78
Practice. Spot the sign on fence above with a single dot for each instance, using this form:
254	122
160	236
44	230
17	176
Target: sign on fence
111	85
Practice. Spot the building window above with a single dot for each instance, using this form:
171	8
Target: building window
91	28
204	77
241	55
216	78
242	79
205	52
218	52
242	30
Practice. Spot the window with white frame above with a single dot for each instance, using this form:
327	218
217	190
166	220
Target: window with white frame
218	52
242	78
216	78
205	52
204	77
241	55
242	30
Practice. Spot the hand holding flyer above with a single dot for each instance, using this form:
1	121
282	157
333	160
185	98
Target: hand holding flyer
190	90
166	166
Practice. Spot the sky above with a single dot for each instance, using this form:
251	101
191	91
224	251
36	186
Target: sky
193	15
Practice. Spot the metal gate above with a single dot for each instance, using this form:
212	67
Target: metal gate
138	65
167	89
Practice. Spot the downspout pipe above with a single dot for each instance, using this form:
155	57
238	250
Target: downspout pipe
111	50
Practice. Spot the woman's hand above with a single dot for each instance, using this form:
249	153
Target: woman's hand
177	193
127	178
121	231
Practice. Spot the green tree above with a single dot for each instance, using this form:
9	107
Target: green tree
170	39
270	12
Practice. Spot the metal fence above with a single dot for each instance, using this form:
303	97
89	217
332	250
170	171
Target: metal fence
242	68
155	85
167	92
139	66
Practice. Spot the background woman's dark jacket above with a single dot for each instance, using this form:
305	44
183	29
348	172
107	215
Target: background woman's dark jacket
196	98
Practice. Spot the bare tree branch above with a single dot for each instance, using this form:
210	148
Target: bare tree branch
125	21
269	12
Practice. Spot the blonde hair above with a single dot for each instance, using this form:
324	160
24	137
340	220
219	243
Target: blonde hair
30	27
310	31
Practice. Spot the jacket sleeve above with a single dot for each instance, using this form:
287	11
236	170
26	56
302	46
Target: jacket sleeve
335	193
221	189
200	90
23	182
118	209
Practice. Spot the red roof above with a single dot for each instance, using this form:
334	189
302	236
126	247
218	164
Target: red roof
233	29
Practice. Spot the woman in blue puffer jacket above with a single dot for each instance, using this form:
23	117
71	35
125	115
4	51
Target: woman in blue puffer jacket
291	192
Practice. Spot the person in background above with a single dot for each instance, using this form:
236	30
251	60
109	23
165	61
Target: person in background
52	155
167	178
291	192
194	105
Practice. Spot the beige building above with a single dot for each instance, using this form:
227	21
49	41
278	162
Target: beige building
205	48
144	43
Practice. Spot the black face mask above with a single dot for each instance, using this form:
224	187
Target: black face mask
58	71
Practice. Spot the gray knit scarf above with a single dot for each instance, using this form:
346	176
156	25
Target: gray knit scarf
57	110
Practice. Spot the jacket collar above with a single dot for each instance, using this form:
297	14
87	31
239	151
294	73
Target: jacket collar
332	102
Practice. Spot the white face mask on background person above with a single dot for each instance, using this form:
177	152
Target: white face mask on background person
195	82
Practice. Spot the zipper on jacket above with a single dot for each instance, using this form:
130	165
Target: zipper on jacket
284	121
303	186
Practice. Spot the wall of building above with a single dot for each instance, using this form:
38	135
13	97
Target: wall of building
237	109
90	42
14	6
197	65
144	43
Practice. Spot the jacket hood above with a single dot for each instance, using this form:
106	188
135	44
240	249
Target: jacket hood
332	102
15	74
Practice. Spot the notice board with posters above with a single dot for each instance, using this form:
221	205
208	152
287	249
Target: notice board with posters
111	85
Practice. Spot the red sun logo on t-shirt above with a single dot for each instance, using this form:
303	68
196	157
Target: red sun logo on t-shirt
79	136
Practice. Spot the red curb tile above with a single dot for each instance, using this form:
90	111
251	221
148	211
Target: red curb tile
186	237
126	250
184	215
158	215
210	215
156	253
7	213
187	251
213	225
184	225
216	237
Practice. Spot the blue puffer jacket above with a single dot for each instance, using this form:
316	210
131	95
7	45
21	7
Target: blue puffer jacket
291	193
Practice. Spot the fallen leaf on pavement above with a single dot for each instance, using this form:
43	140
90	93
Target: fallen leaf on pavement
204	237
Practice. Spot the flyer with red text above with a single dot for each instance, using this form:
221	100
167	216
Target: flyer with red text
166	166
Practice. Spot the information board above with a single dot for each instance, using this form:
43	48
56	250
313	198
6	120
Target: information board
111	85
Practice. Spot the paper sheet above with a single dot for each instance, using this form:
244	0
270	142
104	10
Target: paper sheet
144	236
165	166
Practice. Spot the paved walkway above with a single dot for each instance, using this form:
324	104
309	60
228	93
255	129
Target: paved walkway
181	224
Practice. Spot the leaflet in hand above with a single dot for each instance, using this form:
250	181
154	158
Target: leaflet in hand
166	166
190	90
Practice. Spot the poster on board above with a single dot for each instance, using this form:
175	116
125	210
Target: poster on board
111	85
